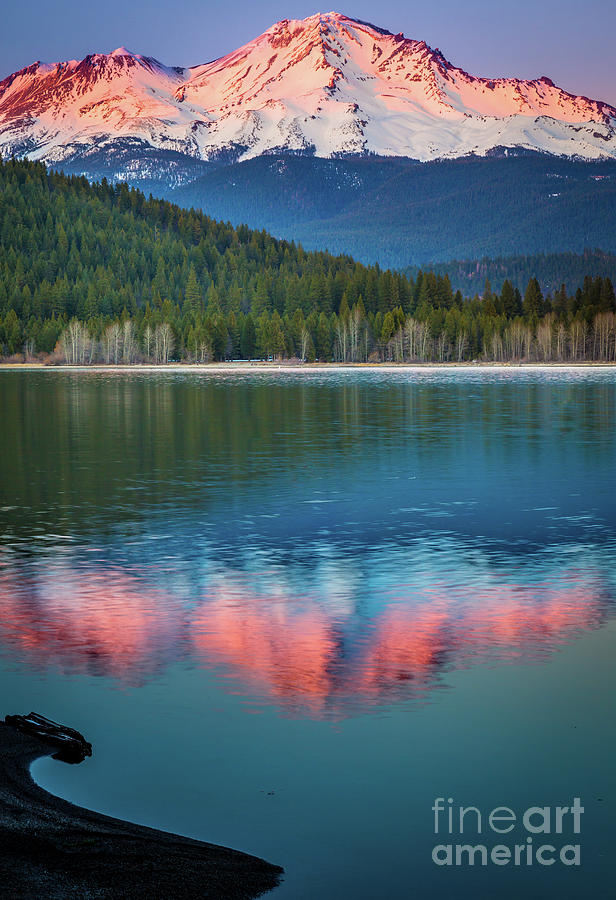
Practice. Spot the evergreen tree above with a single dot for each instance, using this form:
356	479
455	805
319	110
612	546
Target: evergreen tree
533	300
248	338
192	294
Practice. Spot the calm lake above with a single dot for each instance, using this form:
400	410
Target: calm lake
291	610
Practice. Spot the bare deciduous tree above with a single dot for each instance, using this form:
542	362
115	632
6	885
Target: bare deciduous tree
148	338
544	338
75	342
354	325
578	339
604	327
112	341
163	343
462	344
129	342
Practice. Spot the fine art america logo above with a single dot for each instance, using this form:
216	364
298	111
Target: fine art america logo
535	836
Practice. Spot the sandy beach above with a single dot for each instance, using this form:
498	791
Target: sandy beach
269	368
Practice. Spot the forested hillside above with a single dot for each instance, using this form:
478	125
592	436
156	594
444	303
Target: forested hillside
100	273
551	270
398	212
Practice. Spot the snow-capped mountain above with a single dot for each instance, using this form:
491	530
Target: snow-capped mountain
327	85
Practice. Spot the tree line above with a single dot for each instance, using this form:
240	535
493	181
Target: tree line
551	270
100	273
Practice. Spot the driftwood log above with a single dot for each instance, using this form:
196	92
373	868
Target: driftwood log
52	849
72	746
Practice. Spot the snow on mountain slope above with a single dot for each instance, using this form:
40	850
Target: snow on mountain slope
48	111
327	85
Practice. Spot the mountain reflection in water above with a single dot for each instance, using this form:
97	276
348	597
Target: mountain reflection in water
330	632
327	543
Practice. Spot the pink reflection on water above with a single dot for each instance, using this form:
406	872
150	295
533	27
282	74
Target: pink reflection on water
104	622
310	662
311	655
282	650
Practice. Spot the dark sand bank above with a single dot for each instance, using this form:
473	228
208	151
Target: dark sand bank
52	849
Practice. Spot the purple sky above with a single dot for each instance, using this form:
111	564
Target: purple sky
571	42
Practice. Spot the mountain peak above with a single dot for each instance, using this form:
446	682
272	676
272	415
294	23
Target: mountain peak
328	84
332	19
121	51
337	18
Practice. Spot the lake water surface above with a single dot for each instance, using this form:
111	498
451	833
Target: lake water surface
290	611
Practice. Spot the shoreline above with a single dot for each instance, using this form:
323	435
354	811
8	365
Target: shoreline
304	368
51	848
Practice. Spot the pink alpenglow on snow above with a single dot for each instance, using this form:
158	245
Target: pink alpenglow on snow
326	84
